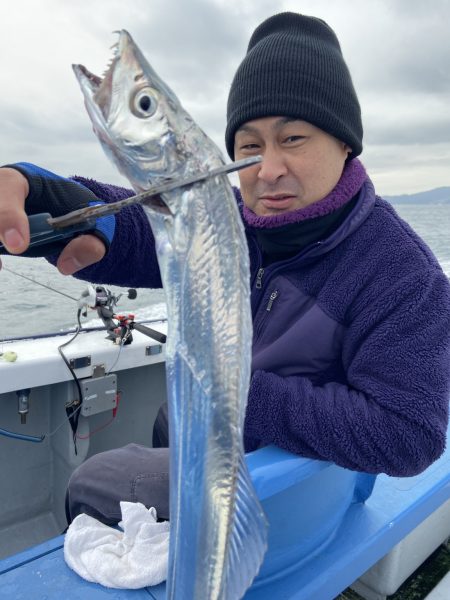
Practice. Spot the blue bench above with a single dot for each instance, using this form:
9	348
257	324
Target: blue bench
328	526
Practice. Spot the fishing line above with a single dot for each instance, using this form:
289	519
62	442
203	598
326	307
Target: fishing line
49	435
38	283
72	413
104	301
77	331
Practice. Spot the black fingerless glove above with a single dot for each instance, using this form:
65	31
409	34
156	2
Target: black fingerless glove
50	193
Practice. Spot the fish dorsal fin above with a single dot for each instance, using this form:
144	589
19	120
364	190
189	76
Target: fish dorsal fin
248	541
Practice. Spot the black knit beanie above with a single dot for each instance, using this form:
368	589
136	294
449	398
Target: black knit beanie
294	67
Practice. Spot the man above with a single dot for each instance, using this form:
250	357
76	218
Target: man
351	310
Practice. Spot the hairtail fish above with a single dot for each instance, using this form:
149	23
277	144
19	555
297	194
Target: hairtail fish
218	531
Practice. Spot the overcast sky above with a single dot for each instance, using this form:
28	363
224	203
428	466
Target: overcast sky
398	52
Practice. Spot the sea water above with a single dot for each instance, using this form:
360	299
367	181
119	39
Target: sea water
27	308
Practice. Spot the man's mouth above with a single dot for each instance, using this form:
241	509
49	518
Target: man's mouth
277	201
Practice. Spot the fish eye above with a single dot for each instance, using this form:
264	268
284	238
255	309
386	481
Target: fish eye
143	104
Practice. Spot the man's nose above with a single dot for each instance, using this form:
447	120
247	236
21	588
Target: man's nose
272	166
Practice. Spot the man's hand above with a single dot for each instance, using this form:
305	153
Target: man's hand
14	230
81	252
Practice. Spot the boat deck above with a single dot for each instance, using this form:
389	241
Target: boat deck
368	531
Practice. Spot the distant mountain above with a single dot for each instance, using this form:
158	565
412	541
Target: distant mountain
439	195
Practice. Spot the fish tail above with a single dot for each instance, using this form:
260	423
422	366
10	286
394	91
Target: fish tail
248	541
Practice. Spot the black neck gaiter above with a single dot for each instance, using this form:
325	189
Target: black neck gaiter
281	243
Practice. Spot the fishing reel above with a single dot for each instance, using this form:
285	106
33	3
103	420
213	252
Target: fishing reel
118	327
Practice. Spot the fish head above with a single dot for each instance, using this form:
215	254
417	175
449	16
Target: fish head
137	118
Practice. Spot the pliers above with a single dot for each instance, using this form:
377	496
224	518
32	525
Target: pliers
46	230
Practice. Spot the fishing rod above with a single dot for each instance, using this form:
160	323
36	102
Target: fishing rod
120	332
104	301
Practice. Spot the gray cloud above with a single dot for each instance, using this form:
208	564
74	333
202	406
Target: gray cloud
404	119
405	134
398	53
406	48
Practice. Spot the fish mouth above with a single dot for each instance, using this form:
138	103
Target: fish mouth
97	90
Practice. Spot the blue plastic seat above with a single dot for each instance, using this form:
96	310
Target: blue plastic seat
304	500
328	525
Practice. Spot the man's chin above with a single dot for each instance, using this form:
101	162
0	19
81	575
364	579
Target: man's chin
273	212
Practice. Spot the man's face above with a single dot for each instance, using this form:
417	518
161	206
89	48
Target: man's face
301	164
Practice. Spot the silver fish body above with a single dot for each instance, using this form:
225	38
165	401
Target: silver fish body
218	529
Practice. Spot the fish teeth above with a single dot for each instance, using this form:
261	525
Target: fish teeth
108	66
115	52
115	47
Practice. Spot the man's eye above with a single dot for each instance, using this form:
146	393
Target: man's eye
293	138
249	147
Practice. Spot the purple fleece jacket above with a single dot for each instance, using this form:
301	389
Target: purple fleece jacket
351	359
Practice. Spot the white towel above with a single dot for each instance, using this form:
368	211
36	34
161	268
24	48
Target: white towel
133	558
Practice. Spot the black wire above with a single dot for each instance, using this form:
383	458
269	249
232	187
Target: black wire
32	438
77	331
73	415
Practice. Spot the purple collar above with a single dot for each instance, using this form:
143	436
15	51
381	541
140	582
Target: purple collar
352	178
